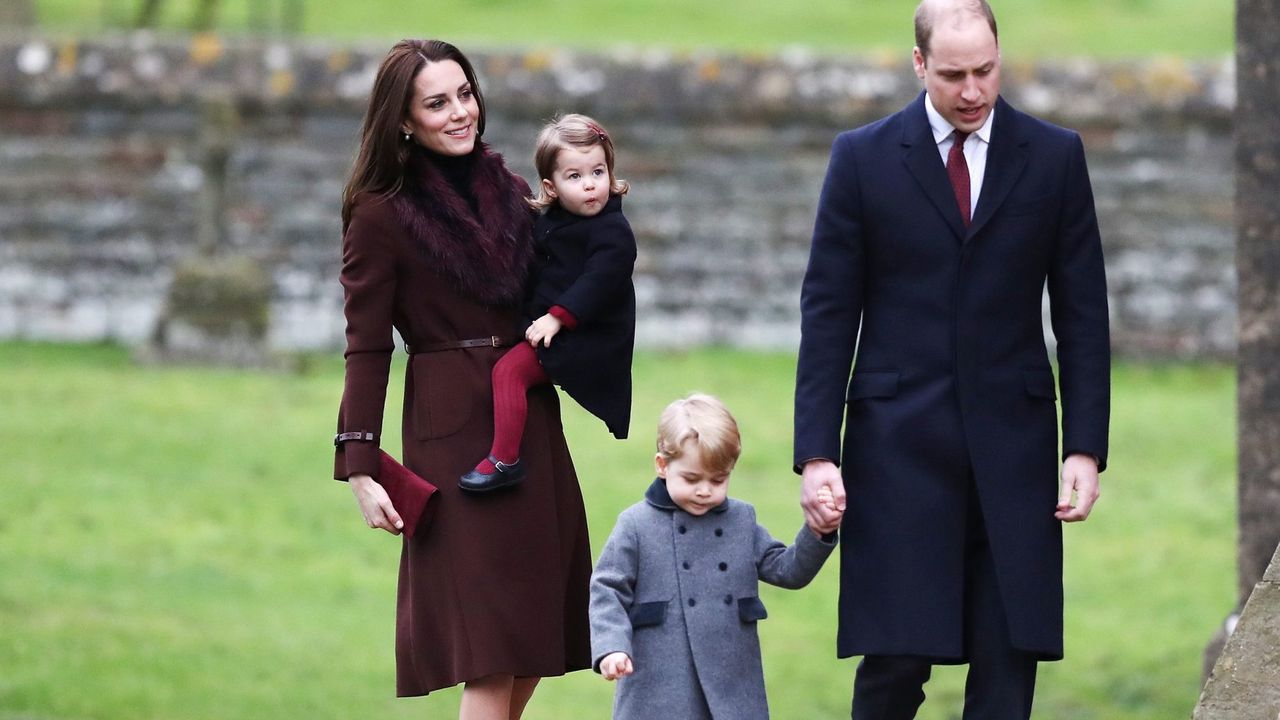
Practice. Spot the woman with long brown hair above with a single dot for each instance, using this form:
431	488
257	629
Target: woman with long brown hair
437	241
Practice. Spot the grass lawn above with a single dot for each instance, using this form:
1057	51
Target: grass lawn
171	545
1031	28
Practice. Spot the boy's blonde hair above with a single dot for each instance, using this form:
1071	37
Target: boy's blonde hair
706	421
567	131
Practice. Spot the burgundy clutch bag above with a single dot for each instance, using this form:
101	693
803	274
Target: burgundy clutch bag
410	494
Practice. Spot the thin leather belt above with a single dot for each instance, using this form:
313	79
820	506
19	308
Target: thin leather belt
491	341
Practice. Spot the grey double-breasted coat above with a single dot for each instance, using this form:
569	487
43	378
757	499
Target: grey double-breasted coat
679	594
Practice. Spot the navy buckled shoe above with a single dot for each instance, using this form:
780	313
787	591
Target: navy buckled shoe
505	475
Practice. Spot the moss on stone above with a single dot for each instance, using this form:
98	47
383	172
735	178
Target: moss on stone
222	296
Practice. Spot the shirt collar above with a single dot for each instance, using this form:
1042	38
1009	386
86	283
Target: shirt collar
658	497
943	129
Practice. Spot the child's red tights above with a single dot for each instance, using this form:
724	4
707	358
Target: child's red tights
513	375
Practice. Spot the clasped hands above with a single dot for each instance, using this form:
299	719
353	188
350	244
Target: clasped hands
822	496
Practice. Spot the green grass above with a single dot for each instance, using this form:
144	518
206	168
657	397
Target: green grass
1030	28
171	545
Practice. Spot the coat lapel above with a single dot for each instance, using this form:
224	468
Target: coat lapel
920	153
1006	159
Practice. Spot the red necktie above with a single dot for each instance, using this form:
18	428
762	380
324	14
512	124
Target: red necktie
958	173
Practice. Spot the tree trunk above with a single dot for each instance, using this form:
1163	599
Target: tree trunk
1258	266
1257	136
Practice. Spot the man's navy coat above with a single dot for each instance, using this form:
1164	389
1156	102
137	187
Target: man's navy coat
952	382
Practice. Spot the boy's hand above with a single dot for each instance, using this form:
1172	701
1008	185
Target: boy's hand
826	498
542	330
819	475
616	665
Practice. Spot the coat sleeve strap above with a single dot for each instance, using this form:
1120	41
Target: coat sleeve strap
358	435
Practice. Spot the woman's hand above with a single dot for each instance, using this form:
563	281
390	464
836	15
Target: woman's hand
374	504
542	330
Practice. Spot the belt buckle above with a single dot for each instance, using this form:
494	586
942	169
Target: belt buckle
495	341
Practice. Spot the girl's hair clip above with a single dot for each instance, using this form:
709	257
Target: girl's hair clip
599	131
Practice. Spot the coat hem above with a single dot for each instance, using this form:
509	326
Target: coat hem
423	691
945	658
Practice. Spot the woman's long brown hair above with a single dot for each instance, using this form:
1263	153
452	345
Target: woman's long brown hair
379	165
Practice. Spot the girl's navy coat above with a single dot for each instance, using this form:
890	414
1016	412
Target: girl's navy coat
584	265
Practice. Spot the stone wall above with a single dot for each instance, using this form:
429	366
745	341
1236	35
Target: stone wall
100	141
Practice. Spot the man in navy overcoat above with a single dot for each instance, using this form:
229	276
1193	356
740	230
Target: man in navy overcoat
930	261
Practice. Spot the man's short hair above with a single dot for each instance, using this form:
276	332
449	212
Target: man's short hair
706	421
926	17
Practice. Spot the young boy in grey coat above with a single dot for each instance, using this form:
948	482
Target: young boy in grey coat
674	596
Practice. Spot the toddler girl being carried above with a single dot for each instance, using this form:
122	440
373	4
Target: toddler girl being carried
581	304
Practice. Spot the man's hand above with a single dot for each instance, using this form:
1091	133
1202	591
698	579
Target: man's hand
822	514
1079	473
542	330
616	665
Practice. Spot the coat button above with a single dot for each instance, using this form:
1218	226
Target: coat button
685	565
724	566
682	529
692	602
719	532
728	599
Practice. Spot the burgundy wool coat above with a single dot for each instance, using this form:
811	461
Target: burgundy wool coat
498	583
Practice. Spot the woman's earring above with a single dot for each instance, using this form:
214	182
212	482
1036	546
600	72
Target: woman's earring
407	136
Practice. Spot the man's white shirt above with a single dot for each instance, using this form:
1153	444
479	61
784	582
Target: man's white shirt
975	147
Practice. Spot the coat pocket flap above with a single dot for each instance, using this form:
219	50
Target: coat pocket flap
873	384
648	613
1040	384
750	609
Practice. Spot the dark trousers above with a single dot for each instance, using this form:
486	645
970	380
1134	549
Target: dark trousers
1002	679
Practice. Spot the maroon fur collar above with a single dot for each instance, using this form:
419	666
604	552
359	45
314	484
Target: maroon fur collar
486	258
